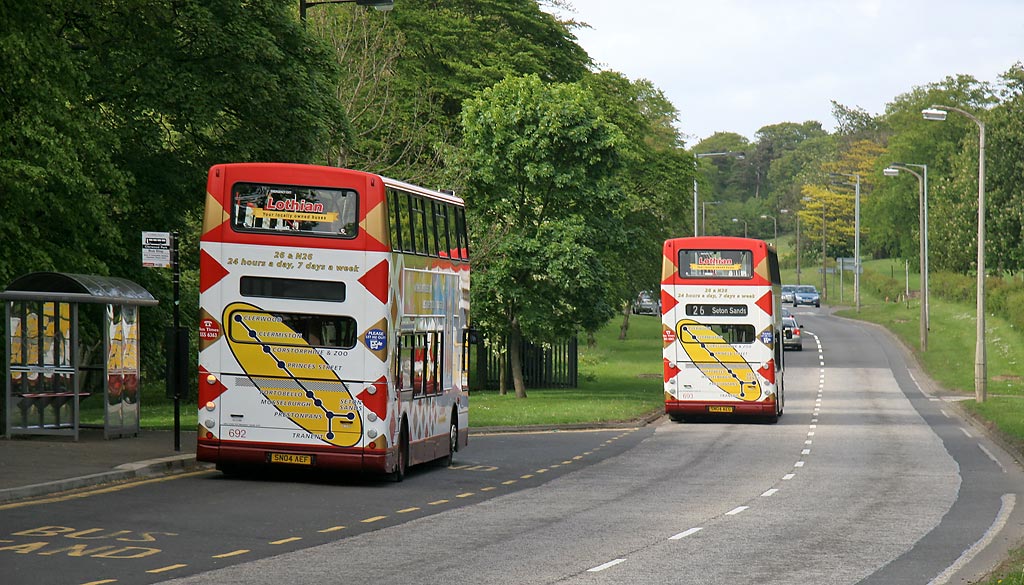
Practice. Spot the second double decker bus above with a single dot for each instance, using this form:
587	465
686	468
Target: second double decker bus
721	327
334	311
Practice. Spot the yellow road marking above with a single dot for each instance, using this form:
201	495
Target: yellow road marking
510	482
373	519
331	529
438	502
407	510
101	582
465	495
233	553
527	476
488	489
167	568
286	540
105	490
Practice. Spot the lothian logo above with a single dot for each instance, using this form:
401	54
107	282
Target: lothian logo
293	205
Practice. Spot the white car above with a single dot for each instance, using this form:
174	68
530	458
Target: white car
791	336
789	293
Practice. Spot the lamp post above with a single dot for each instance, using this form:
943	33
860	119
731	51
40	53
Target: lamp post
892	171
980	373
704	215
856	234
696	159
382	5
736	220
775	229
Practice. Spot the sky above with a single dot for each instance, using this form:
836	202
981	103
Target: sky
739	65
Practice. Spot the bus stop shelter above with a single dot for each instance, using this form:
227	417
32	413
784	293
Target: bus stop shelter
69	337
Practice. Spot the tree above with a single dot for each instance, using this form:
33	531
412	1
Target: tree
538	157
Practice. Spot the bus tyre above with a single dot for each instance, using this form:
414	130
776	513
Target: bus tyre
402	466
453	441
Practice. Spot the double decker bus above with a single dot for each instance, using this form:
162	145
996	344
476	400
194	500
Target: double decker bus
721	328
334	317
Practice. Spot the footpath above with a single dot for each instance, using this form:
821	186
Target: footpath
33	466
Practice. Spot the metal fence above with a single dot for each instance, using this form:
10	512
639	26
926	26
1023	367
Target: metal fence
547	365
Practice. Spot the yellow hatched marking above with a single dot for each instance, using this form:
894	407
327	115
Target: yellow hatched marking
286	540
332	529
407	510
233	553
373	519
167	568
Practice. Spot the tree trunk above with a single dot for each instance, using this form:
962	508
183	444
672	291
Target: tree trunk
625	322
515	352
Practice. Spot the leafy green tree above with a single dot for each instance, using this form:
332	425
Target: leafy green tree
1004	177
538	157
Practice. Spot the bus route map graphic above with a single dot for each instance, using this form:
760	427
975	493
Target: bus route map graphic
718	360
292	375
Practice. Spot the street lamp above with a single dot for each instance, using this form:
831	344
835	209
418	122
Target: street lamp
892	171
775	225
824	265
381	5
856	234
980	374
696	159
736	220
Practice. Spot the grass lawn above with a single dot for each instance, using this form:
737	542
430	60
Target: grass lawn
619	381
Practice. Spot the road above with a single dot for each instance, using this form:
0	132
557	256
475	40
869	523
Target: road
866	479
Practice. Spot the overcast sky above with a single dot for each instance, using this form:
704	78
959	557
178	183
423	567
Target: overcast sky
738	65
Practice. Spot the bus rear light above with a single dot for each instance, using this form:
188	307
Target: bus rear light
211	405
372	433
209	423
378	444
211	379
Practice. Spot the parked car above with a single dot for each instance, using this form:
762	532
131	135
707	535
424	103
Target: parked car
791	336
788	293
806	295
647	303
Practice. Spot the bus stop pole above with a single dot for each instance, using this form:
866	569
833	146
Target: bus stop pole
178	358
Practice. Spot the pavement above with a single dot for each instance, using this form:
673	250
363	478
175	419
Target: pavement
33	466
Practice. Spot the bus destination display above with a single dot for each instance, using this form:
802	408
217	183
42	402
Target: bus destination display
707	310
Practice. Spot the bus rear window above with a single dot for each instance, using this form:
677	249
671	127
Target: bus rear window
313	211
293	329
715	264
292	288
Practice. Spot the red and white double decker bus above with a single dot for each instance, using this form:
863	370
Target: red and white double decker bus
722	327
334	316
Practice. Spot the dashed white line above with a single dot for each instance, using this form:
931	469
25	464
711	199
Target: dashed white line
788	476
992	457
736	510
798	464
685	533
607	565
966	432
770	493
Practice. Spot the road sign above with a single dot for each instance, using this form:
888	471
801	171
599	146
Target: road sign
156	249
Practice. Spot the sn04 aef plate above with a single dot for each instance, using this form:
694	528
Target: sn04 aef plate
291	459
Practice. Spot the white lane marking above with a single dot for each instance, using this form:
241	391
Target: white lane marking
736	510
992	457
965	431
798	464
770	493
1008	501
607	565
685	533
944	413
805	452
788	476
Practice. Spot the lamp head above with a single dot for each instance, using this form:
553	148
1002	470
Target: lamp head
891	172
934	113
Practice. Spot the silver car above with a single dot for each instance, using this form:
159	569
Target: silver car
789	293
791	336
647	303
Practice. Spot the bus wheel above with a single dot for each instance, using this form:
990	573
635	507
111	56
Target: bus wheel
403	456
453	441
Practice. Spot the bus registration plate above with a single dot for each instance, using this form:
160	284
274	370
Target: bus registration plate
720	409
291	459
